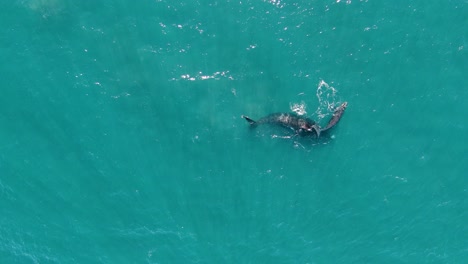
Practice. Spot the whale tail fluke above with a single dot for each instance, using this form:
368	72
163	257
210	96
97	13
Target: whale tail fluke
251	121
336	116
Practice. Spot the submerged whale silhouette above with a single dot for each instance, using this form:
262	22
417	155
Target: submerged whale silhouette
301	125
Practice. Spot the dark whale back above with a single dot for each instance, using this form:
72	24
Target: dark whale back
295	122
301	125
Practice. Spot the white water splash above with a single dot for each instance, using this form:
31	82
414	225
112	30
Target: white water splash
298	108
202	77
276	3
327	98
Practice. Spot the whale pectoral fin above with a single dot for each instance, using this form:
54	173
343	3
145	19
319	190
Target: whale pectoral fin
251	121
336	116
317	130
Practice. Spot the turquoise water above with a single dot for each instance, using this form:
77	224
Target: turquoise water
122	139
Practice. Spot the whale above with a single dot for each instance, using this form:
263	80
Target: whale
302	126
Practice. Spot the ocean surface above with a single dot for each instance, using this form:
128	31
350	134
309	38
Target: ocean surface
121	137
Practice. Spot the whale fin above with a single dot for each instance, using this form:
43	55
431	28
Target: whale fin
336	116
317	130
251	121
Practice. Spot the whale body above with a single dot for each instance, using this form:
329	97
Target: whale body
301	125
